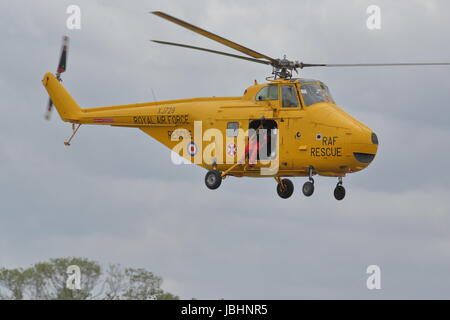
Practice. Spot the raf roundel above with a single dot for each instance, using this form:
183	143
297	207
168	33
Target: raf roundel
192	149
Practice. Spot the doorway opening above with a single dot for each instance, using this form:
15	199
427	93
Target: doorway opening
266	131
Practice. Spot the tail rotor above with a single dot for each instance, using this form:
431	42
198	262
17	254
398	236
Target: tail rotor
61	68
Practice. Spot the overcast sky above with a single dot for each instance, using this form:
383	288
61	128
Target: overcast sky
114	195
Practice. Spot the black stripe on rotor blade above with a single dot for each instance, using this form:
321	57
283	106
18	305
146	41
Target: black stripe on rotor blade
62	62
50	104
63	58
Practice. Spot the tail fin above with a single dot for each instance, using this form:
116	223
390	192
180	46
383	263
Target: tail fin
67	107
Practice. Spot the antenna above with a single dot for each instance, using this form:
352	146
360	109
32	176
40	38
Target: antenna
154	96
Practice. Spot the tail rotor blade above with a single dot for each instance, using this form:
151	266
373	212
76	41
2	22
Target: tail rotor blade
49	109
63	58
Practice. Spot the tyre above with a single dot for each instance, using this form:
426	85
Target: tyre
213	179
308	188
287	190
339	192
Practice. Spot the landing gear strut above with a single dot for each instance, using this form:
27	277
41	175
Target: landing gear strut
285	187
74	132
339	191
308	186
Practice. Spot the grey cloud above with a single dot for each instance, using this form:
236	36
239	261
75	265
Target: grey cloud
114	196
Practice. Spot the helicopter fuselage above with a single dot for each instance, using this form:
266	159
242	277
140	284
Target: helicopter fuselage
306	129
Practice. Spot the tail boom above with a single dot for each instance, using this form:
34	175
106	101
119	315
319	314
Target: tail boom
67	107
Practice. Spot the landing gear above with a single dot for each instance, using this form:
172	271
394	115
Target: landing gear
285	188
308	186
339	191
74	132
213	179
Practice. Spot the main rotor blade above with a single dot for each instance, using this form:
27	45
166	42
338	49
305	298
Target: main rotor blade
304	65
214	37
212	51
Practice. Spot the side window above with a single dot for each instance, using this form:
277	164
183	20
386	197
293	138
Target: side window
267	93
289	97
232	129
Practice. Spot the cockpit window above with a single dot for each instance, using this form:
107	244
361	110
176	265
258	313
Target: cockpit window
267	93
289	97
314	93
327	93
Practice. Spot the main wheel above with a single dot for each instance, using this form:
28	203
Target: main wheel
213	179
286	190
339	192
308	188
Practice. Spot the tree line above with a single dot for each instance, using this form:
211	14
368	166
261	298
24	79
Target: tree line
76	278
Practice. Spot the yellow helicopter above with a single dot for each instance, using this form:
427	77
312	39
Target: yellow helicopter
286	127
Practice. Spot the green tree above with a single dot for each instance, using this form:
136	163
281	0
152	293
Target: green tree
48	281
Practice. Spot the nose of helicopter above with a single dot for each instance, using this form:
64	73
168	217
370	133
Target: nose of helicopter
361	141
364	146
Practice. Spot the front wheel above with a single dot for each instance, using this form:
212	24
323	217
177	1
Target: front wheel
339	192
285	189
213	179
